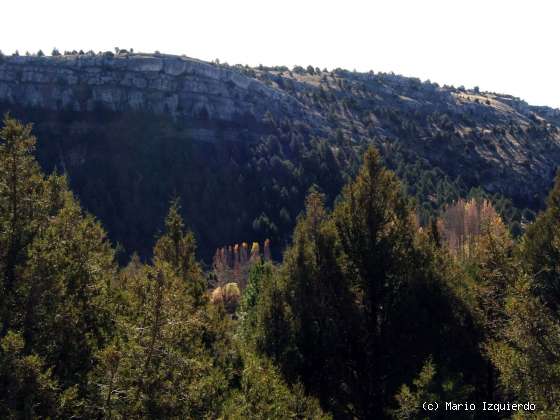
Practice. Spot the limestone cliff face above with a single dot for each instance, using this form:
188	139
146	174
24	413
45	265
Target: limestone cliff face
184	88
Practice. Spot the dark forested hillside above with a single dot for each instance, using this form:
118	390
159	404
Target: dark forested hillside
370	315
242	146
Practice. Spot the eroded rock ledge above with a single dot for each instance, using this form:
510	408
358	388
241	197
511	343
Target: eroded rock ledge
182	87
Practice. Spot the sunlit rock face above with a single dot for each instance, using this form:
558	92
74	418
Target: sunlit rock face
181	87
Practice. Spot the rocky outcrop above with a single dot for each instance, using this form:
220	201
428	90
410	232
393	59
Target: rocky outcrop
187	89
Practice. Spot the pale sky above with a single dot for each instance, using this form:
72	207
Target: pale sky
506	46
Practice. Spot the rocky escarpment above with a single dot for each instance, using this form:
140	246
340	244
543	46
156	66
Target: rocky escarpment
514	147
491	140
242	146
189	90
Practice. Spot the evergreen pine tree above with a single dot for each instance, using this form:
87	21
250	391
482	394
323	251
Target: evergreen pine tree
526	352
539	252
56	267
177	248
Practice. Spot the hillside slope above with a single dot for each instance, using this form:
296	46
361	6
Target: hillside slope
241	146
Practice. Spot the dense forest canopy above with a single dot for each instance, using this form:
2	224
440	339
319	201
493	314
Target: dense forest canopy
369	314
